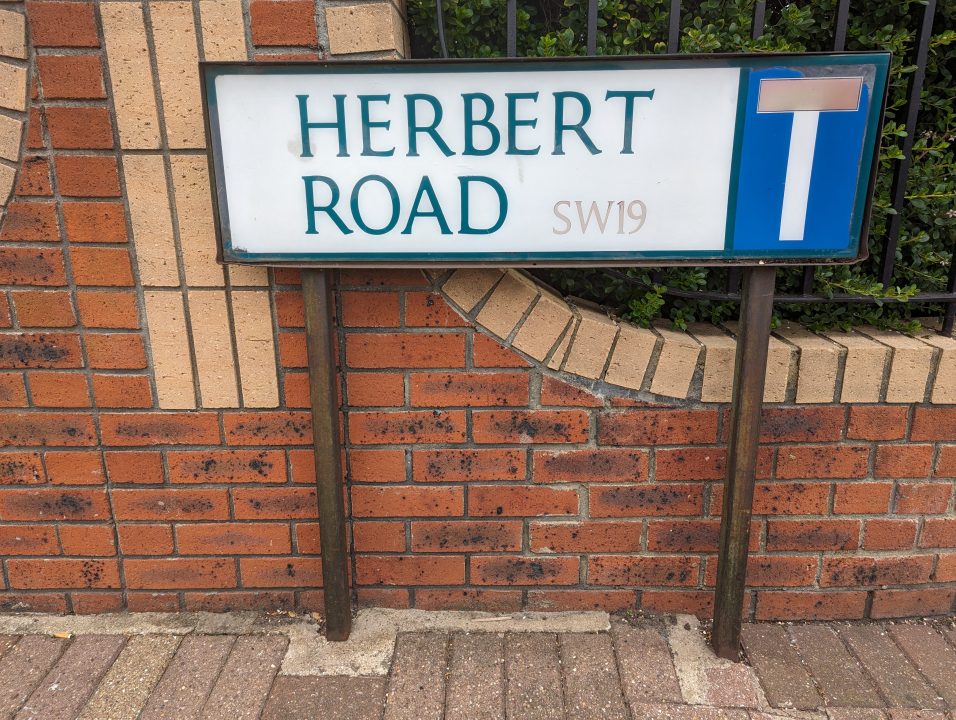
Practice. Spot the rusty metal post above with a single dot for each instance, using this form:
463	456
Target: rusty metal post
750	371
319	324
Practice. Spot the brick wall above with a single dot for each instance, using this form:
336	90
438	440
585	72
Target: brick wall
154	425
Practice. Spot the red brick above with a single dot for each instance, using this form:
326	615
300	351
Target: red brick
503	570
35	129
466	536
556	392
686	536
135	467
376	277
140	539
857	571
918	603
387	428
469	389
274	503
809	535
170	573
290	310
88	540
292	350
934	423
447	465
569	600
882	534
79	128
6	317
877	422
903	461
617	570
59	390
370	309
51	429
28	540
109	267
160	428
170	504
599	465
864	498
13	390
62	24
378	597
375	465
28	221
44	309
152	602
929	498
115	351
488	353
531	426
468	599
21	468
234	601
101	222
405	350
692	602
823	461
645	500
60	504
946	464
95	603
122	391
792	605
391	501
233	539
227	466
946	568
428	309
816	424
938	533
62	573
40	350
87	175
35	602
268	428
375	389
772	571
308	541
410	569
498	500
287	276
280	572
296	390
658	427
791	498
376	537
283	22
34	178
108	310
71	77
585	537
75	467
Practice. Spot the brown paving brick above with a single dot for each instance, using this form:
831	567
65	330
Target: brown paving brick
908	714
533	677
244	683
328	698
839	677
785	681
7	642
928	650
592	688
646	665
732	685
189	678
475	686
686	712
65	689
896	678
416	686
855	714
23	667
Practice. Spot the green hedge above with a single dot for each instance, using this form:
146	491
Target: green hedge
476	28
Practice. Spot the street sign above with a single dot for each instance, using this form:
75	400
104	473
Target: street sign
636	160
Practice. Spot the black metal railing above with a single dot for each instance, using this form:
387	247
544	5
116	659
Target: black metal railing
889	240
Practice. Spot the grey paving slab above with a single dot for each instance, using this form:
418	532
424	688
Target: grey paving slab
244	683
7	642
475	689
123	691
327	698
898	681
839	677
22	668
592	688
533	687
189	677
416	684
933	656
65	689
785	681
646	666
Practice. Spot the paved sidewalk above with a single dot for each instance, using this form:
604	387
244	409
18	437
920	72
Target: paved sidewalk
468	666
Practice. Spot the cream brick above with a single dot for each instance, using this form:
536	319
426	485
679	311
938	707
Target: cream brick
151	221
592	344
223	30
255	347
197	235
365	28
169	348
177	63
7	175
212	342
12	35
248	276
466	287
719	353
561	351
865	362
676	363
944	386
780	358
817	364
544	325
13	86
909	365
131	76
10	133
631	356
507	304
